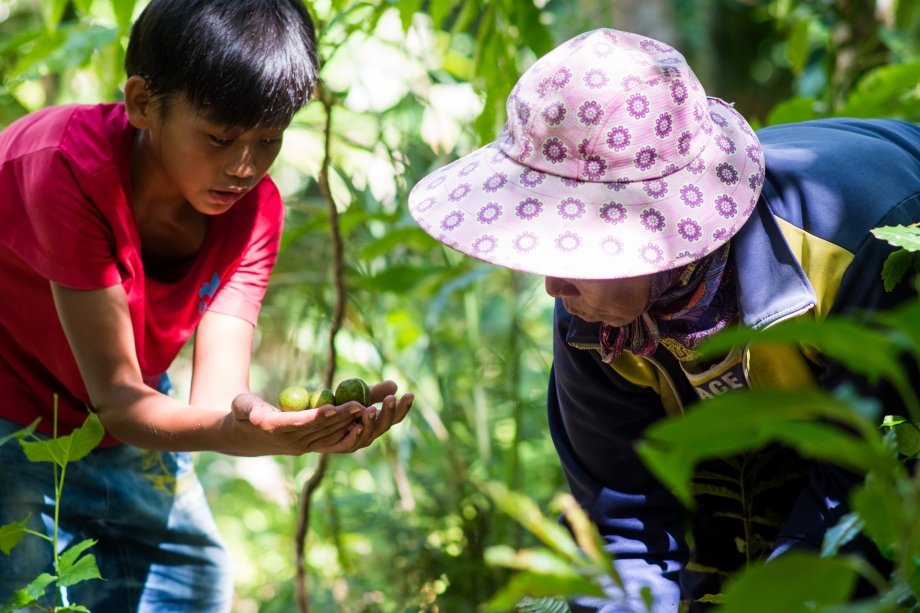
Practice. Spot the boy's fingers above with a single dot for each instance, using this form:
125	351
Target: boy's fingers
313	419
347	444
386	416
382	390
369	426
402	409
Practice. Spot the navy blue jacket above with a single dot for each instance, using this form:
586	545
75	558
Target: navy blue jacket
806	251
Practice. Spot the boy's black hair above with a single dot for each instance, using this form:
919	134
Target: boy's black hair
241	63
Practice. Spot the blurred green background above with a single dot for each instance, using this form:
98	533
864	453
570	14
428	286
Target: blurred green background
399	527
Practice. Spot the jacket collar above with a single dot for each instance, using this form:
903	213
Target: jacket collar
771	283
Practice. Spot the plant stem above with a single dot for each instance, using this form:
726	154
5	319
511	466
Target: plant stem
39	534
338	315
58	485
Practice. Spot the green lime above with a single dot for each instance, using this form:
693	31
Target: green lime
321	398
294	398
353	389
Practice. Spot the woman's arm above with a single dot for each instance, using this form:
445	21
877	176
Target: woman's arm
223	415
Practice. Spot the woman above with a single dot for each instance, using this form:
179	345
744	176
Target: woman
659	218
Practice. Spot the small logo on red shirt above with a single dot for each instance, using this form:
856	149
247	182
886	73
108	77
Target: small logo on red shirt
207	291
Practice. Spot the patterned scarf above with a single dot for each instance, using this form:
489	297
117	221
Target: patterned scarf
686	306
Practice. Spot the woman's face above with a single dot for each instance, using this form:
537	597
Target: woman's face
616	302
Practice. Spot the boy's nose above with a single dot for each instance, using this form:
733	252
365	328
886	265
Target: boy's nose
244	167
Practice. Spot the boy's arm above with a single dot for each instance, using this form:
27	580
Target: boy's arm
228	419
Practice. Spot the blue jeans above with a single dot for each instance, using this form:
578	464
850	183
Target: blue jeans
158	548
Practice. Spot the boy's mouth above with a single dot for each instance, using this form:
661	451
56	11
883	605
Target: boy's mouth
226	196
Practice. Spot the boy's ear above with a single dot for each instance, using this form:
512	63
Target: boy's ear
139	103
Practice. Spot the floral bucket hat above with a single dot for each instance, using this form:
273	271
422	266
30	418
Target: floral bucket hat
613	163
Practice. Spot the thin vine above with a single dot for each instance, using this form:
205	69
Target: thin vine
338	315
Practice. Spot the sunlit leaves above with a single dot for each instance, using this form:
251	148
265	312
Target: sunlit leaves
70	448
907	237
792	583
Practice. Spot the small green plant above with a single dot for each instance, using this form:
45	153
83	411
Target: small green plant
72	566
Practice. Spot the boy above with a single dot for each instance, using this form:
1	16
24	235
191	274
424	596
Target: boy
124	228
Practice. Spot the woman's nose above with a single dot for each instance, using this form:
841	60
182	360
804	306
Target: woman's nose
560	288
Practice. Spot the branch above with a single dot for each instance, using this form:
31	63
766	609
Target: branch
338	315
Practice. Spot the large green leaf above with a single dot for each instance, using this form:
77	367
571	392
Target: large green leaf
70	448
792	583
857	347
124	9
738	422
11	534
907	237
73	569
533	585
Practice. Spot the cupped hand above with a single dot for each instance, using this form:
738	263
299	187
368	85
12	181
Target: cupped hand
373	423
258	428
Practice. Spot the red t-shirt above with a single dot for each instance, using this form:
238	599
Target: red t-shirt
66	216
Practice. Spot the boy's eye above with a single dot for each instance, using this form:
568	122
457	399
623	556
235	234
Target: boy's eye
271	141
220	141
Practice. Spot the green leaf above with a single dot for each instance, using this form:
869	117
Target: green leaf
848	528
402	278
543	605
11	534
73	569
907	237
52	11
797	45
408	8
861	349
124	10
698	489
792	583
893	420
792	111
895	267
28	595
908	439
532	585
714	598
539	561
648	599
413	237
880	507
72	609
672	465
70	448
526	512
21	434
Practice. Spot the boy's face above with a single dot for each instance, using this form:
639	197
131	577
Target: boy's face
209	165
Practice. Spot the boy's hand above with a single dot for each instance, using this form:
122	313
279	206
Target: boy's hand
261	429
374	423
258	428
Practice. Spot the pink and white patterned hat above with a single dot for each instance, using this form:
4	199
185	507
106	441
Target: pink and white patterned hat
613	163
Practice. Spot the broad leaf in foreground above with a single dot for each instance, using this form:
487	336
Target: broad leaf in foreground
792	583
70	448
11	534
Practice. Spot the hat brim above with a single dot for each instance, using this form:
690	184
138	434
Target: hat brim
496	209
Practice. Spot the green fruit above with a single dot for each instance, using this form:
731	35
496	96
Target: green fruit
294	398
321	398
353	389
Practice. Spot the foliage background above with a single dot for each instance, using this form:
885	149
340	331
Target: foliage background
416	83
